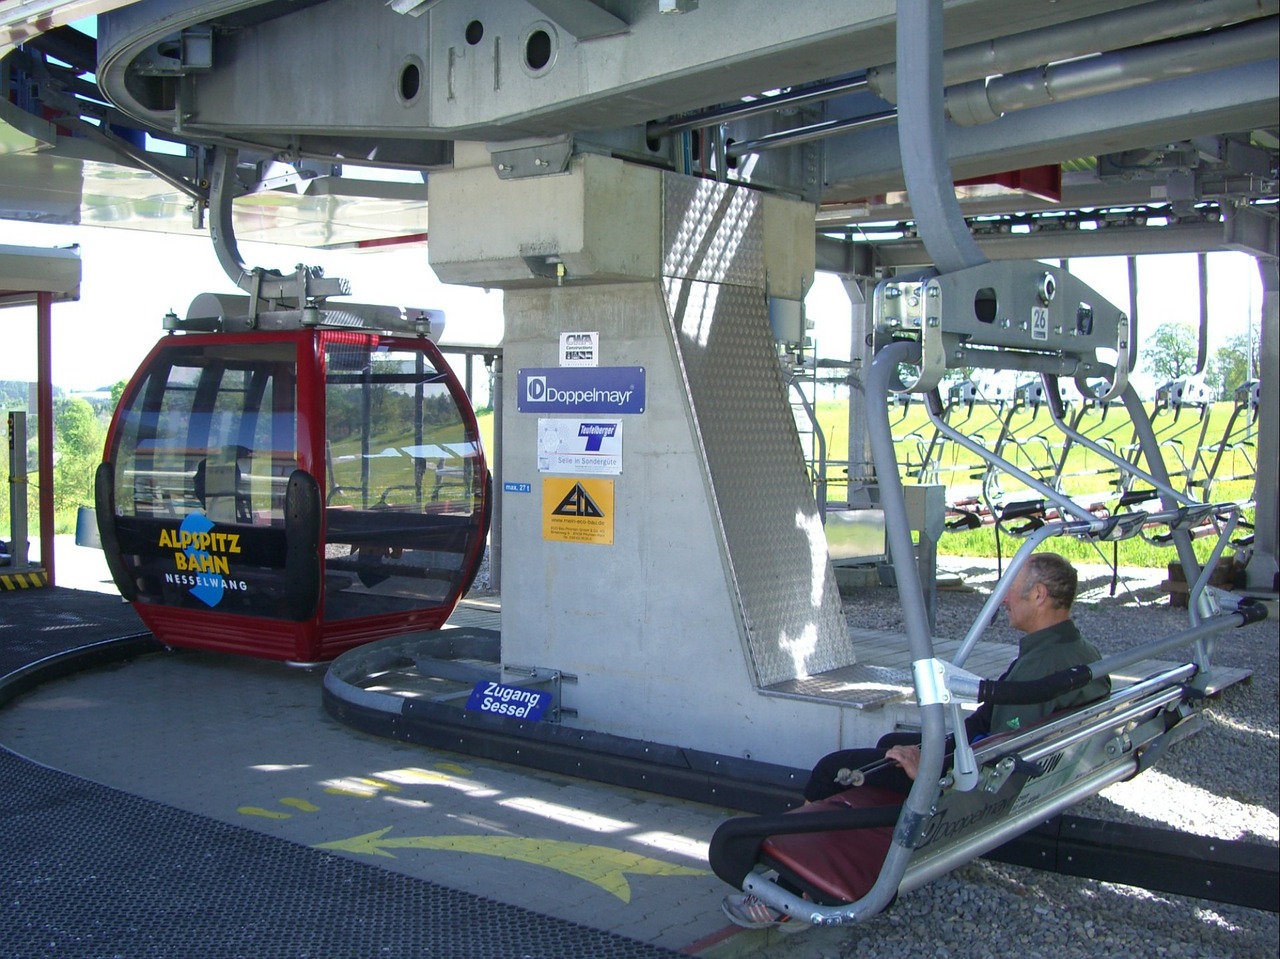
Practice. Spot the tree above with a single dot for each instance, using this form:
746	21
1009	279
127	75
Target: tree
1170	353
1230	366
77	451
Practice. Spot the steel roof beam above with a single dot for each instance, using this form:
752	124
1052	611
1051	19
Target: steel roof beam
1238	98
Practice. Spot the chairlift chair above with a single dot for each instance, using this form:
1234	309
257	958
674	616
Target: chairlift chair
848	858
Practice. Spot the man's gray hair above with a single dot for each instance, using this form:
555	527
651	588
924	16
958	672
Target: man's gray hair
1059	578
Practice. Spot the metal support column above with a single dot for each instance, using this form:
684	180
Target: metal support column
1262	569
861	470
44	427
700	552
18	545
496	470
1132	265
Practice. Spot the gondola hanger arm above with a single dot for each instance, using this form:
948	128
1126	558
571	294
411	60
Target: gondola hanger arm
306	285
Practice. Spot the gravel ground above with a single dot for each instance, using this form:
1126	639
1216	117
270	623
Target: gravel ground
1222	783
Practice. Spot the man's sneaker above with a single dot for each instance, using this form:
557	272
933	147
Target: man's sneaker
749	912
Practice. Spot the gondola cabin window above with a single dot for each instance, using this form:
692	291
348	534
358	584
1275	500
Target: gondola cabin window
204	448
401	486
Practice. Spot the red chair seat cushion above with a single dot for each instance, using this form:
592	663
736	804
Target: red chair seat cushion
839	865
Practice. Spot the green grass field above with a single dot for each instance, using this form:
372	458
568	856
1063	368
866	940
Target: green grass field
1186	443
1084	472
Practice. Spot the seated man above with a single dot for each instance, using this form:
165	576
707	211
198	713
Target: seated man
1039	603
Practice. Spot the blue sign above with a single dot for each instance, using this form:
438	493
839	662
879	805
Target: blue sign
517	487
581	389
513	702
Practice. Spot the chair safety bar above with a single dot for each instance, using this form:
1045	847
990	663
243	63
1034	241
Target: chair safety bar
1103	529
1057	412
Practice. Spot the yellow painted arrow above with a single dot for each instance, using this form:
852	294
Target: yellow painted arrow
600	865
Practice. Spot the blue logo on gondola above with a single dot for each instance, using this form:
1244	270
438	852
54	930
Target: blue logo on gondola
208	589
202	558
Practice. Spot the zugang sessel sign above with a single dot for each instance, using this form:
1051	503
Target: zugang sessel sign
514	702
589	389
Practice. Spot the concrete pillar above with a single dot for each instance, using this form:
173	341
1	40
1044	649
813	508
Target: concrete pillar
676	583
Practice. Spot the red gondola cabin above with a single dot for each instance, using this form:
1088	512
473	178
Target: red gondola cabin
291	493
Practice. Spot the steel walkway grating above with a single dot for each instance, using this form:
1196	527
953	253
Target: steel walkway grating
89	871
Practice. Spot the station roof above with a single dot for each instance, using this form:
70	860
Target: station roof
26	271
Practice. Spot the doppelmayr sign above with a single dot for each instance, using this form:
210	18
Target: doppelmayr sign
581	389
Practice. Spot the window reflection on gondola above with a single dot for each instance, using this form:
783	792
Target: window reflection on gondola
208	438
402	473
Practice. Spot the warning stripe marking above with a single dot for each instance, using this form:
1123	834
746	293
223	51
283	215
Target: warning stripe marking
16	581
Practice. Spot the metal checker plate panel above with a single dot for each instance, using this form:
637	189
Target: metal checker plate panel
860	686
773	535
712	232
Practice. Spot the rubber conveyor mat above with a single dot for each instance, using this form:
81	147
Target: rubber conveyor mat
38	624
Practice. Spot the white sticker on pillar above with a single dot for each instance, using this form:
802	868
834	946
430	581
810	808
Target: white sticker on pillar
584	446
579	349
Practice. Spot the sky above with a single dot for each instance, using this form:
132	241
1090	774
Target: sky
132	278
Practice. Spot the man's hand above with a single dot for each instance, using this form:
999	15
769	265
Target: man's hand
908	757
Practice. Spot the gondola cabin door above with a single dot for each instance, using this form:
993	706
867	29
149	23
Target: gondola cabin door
292	494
